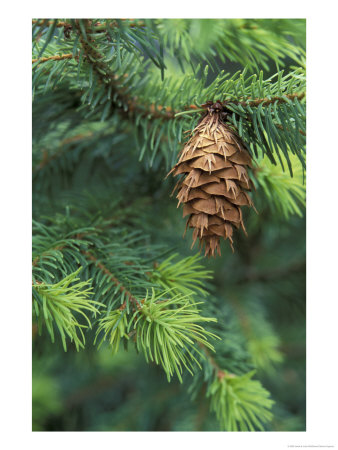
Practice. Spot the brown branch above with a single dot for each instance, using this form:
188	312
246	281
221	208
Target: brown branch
34	330
110	79
55	58
46	158
37	259
80	236
282	128
158	111
44	22
102	27
107	77
98	27
58	247
256	102
220	373
94	57
267	101
117	283
104	269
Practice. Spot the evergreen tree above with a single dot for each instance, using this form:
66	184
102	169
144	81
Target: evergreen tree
133	329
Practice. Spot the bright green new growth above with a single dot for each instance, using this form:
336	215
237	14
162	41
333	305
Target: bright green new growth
186	276
285	194
167	332
240	403
265	352
55	304
166	328
114	326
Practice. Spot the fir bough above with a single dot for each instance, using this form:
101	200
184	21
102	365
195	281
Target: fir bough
112	101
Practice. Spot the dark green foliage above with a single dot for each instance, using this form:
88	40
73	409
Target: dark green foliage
114	283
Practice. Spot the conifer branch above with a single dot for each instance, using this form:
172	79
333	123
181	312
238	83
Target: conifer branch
38	258
232	396
47	158
282	128
220	373
105	100
98	27
262	343
45	23
268	101
102	70
129	106
55	305
55	58
115	281
109	79
240	403
257	101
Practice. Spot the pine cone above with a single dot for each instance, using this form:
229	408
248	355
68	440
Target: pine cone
214	162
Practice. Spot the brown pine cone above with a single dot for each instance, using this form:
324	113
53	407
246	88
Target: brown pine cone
214	162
